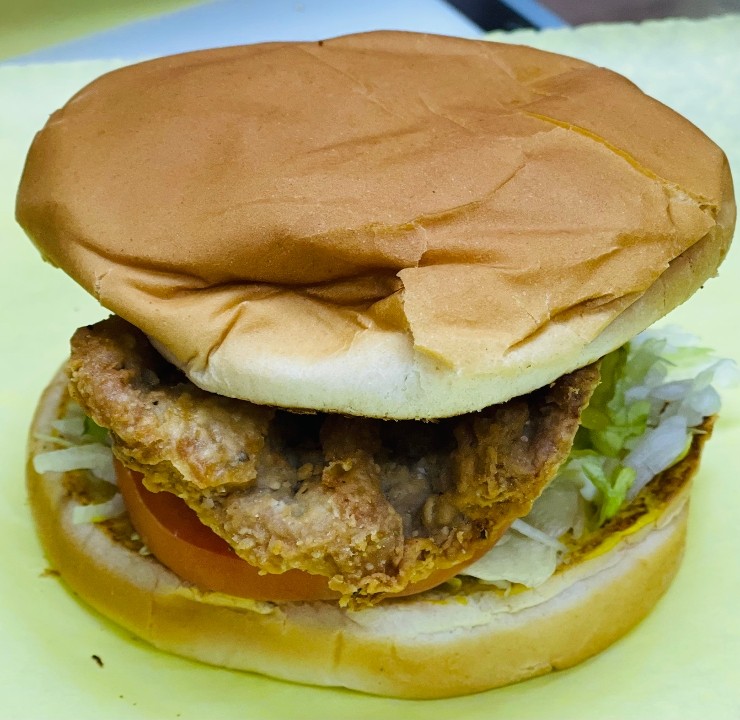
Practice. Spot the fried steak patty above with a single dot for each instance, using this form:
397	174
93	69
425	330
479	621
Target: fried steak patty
374	505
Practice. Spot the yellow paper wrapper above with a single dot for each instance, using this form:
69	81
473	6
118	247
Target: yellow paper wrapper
681	662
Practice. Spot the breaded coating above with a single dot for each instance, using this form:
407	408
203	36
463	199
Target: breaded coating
373	505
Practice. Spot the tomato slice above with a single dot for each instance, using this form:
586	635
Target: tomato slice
177	538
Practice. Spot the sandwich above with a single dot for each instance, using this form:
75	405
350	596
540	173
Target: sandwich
375	397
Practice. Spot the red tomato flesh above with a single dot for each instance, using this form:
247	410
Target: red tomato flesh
179	540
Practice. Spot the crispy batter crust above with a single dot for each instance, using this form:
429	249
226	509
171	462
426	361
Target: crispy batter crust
372	505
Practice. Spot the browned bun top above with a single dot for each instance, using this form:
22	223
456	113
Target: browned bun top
388	223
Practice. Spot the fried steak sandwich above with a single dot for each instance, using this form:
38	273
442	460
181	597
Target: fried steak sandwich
364	291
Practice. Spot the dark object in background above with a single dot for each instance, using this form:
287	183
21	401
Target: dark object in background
576	12
515	14
492	15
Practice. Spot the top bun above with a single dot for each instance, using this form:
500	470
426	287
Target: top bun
384	224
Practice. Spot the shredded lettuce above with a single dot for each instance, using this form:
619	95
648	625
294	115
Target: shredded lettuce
95	432
72	426
600	479
653	395
98	512
516	558
93	456
533	533
529	552
83	445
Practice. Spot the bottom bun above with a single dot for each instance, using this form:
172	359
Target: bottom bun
461	638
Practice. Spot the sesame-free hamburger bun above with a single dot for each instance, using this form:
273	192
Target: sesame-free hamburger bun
384	224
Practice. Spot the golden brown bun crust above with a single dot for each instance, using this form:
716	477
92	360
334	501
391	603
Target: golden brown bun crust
384	224
418	648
